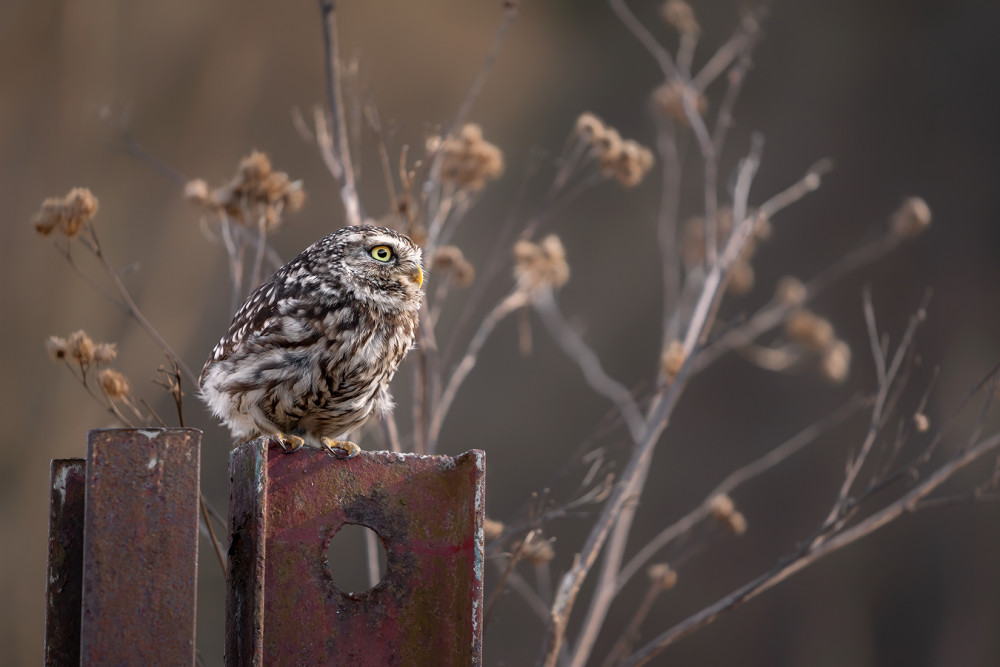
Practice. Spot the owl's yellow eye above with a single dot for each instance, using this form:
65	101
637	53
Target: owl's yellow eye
382	253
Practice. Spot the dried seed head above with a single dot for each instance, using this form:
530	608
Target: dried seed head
114	384
668	101
911	218
197	191
67	215
81	347
921	422
723	510
721	506
630	165
741	277
57	348
836	364
625	160
467	161
105	353
662	576
542	264
813	332
538	551
256	193
492	529
672	360
589	127
679	15
450	261
790	291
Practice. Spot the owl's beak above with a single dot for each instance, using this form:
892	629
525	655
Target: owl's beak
417	275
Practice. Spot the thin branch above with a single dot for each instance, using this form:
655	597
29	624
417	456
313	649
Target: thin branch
509	304
734	480
335	100
799	561
577	350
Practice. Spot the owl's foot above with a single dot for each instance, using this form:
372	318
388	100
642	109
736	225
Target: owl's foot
289	443
342	449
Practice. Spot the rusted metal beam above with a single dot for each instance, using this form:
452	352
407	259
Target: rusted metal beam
64	584
284	608
140	562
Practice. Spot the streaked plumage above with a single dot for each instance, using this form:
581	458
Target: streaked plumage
312	350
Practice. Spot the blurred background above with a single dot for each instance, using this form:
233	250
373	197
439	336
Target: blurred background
901	94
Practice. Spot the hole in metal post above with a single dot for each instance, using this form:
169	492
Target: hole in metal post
349	561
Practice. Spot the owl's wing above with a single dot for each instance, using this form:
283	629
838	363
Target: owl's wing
257	314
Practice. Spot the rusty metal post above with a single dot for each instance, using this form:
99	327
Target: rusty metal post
141	547
64	584
283	606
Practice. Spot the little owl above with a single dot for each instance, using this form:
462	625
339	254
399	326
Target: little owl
310	353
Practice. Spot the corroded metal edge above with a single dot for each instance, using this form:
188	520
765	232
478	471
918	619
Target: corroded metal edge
64	583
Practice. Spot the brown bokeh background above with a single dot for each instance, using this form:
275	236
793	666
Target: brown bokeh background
902	95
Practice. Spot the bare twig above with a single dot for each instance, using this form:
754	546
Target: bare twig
341	166
812	553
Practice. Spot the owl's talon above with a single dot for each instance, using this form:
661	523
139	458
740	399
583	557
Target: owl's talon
341	449
289	443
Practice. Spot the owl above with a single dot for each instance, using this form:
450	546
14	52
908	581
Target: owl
310	353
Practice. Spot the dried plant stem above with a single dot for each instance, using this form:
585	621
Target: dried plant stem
631	632
216	545
136	314
509	304
339	143
616	516
813	552
733	481
545	305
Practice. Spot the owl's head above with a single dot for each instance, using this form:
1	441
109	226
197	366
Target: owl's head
379	265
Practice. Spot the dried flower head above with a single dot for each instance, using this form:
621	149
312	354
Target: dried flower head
724	511
467	161
813	332
537	550
836	363
589	127
81	347
105	353
679	15
741	277
911	218
672	360
57	347
668	101
625	160
492	529
197	191
257	193
662	576
790	291
114	384
449	260
921	422
631	164
67	215
541	264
